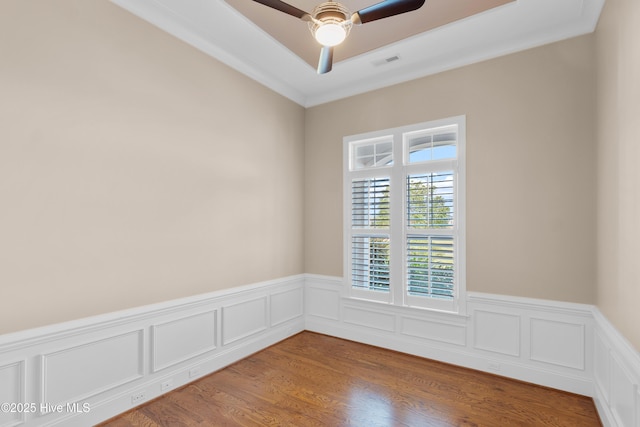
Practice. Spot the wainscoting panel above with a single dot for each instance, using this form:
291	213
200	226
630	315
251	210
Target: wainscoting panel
243	319
616	376
87	369
449	333
83	372
105	365
12	390
322	298
601	367
564	343
623	393
181	339
543	342
287	305
496	332
554	339
369	318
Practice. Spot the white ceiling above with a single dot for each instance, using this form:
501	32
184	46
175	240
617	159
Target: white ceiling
295	35
219	30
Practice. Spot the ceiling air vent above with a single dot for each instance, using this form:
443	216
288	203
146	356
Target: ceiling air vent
385	61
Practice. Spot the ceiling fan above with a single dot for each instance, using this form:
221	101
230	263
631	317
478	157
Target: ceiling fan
330	22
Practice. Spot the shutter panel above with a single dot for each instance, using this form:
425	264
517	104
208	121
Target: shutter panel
370	203
430	266
370	262
430	200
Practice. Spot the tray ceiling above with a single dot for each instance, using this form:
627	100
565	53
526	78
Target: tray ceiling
278	51
294	34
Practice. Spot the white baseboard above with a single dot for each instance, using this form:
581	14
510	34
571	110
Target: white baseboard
83	372
93	367
566	346
531	340
616	376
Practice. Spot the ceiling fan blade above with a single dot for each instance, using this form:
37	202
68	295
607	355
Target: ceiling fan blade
385	9
326	60
286	8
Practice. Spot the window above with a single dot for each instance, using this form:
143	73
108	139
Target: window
404	192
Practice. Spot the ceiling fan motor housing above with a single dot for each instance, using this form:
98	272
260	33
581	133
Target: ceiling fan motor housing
330	13
330	10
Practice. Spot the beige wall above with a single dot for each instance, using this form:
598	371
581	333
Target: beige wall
530	167
618	57
133	168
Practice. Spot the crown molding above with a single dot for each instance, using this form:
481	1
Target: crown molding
220	31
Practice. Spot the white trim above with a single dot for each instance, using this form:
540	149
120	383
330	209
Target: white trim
511	342
17	389
257	322
62	380
143	363
186	30
600	363
596	348
615	354
156	329
398	230
229	36
298	310
29	337
569	308
512	354
579	362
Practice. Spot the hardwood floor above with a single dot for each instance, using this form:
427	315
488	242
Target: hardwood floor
316	380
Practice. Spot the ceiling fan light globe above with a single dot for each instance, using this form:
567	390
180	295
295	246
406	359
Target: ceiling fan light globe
330	34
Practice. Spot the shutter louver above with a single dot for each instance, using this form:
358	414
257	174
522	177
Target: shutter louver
430	266
370	262
370	203
404	194
430	200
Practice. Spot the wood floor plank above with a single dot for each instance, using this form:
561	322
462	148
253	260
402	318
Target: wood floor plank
313	380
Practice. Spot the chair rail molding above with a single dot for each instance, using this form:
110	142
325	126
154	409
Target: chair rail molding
83	372
567	346
86	371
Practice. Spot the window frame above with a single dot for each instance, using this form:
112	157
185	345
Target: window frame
398	230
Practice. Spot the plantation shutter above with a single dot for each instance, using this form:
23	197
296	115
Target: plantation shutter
404	215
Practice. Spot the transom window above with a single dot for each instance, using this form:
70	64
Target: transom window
404	215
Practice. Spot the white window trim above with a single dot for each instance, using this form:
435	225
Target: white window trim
397	172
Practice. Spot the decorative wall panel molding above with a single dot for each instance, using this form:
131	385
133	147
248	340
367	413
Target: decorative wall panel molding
83	372
181	339
616	376
449	333
623	393
497	332
12	390
243	319
286	306
369	318
111	363
601	367
544	342
565	343
322	297
567	346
